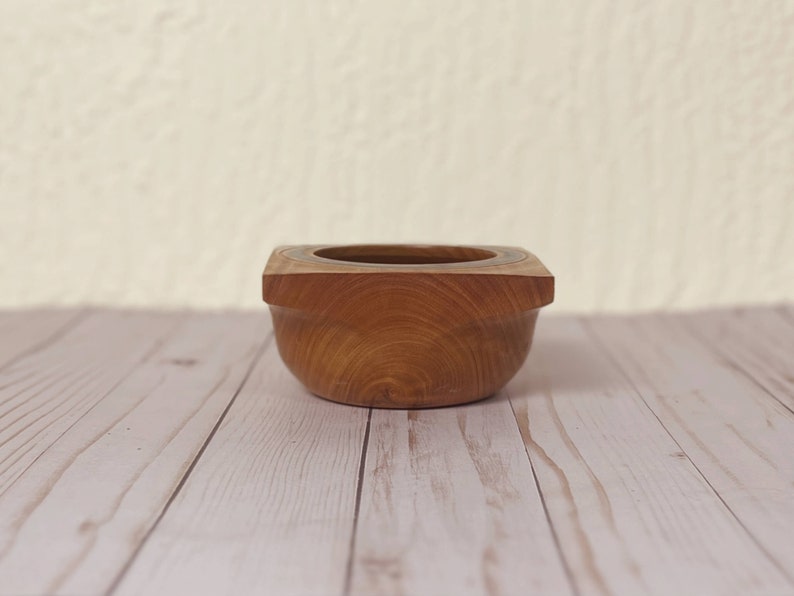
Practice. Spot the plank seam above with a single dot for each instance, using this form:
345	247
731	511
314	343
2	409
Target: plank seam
59	333
148	354
120	576
775	563
787	311
359	489
565	565
732	363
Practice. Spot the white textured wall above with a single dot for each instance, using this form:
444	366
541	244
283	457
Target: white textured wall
154	152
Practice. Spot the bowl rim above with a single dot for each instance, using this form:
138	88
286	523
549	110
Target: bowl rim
294	274
498	256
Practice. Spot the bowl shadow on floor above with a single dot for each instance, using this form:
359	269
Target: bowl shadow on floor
559	366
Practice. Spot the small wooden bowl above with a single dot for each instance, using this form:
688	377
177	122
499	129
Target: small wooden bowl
404	326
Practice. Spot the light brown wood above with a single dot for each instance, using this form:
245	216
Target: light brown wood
401	325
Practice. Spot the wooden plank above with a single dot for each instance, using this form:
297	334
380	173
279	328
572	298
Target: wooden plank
44	393
756	341
632	513
739	437
269	507
449	506
787	310
73	520
22	331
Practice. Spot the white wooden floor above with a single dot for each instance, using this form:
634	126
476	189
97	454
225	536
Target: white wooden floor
172	453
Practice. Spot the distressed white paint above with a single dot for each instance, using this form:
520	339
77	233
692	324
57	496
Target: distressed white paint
25	332
716	408
449	505
154	152
646	448
86	498
628	502
270	505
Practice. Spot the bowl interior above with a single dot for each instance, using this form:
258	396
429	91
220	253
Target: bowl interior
404	254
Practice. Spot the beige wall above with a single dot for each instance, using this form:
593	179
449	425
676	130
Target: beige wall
152	153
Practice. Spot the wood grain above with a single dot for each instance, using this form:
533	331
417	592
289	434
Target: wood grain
145	452
29	330
398	326
43	394
632	513
739	437
269	507
758	342
72	521
366	258
449	506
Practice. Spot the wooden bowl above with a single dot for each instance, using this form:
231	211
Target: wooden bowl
404	326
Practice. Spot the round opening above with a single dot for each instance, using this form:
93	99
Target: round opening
404	254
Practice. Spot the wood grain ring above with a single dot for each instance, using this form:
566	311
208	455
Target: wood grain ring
404	326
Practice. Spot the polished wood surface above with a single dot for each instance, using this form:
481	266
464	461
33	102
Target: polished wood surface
173	453
398	326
